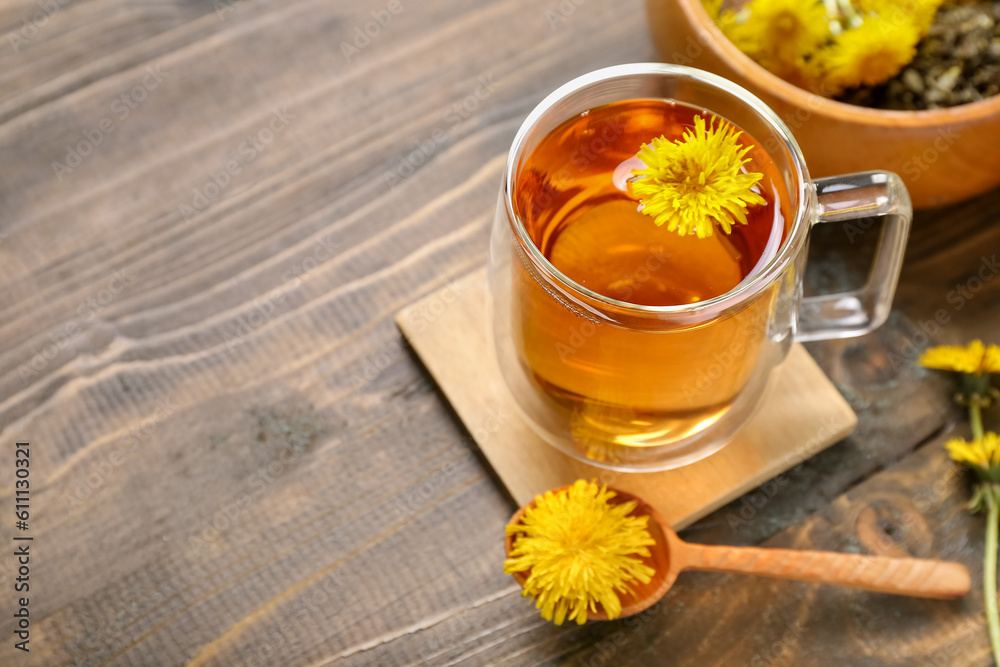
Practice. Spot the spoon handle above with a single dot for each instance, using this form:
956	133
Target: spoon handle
923	578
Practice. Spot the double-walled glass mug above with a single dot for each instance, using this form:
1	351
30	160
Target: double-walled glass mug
636	387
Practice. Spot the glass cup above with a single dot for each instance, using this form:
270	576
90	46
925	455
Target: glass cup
639	388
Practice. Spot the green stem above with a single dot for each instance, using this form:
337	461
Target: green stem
976	419
990	572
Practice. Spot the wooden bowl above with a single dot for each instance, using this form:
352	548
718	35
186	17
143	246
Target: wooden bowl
944	156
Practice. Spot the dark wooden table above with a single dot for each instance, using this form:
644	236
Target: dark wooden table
208	221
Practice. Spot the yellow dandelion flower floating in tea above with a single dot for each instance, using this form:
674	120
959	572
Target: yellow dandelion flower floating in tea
872	53
579	550
974	358
697	181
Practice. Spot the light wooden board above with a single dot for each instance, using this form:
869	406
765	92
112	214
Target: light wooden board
803	413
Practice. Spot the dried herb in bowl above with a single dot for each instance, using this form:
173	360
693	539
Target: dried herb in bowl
956	63
889	54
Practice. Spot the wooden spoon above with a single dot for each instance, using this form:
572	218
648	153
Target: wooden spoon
670	556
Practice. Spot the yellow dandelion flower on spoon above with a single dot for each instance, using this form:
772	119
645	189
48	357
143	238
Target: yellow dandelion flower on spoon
697	181
579	550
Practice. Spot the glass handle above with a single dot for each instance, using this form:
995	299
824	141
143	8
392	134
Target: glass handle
863	195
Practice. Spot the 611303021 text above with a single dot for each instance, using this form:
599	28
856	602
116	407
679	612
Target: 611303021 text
22	513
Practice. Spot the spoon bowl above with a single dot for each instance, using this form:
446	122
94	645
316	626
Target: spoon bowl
669	556
643	596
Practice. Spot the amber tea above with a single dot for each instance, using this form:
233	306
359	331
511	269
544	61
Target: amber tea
626	384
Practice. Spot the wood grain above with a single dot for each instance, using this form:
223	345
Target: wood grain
802	415
210	486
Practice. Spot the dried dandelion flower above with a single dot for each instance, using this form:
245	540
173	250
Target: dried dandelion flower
698	181
919	13
778	34
579	550
867	55
828	45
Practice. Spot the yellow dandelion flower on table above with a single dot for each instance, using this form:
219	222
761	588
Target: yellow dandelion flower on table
697	181
974	358
867	55
991	360
982	453
579	550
